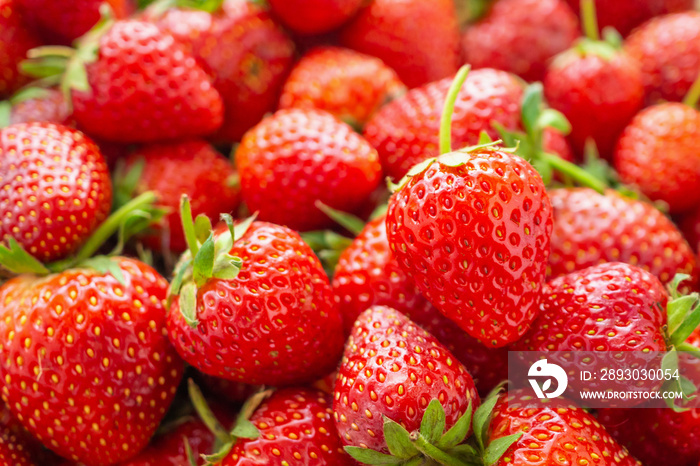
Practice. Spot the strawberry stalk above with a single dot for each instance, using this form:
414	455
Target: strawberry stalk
691	98
446	120
589	19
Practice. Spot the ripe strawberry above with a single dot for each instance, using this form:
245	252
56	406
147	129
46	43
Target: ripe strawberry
295	427
592	228
473	228
668	49
350	85
172	169
45	105
553	432
257	310
520	36
15	40
367	274
247	54
89	370
314	16
393	369
657	153
54	188
299	156
396	32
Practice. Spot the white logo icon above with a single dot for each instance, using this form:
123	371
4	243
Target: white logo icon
543	369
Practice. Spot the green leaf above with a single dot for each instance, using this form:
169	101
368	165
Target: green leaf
202	227
498	447
532	107
484	138
5	113
398	440
220	454
126	180
689	324
544	169
203	264
180	272
188	304
15	259
612	37
75	77
595	47
348	221
417	169
367	456
482	417
43	67
464	451
245	429
458	432
104	265
205	413
689	349
433	423
227	267
188	452
677	310
550	118
675	283
670	360
242	227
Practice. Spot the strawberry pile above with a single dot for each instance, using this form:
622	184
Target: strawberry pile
309	232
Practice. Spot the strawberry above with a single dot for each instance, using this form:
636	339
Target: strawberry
171	169
17	446
393	372
15	40
520	36
396	32
89	370
314	16
592	228
668	49
253	306
657	153
299	156
367	274
38	105
350	85
597	86
247	54
552	432
54	188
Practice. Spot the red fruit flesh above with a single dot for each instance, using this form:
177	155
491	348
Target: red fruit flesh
15	40
314	16
51	108
54	188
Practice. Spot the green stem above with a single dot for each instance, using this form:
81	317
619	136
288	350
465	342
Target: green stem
576	173
431	451
58	51
589	18
448	110
188	225
691	98
205	413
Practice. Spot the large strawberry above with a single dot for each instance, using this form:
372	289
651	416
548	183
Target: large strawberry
15	40
253	304
657	153
592	228
419	39
54	188
191	167
520	36
350	85
668	49
314	16
247	54
394	372
299	156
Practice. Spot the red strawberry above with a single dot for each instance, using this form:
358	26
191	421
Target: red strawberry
257	310
45	105
367	275
299	156
89	370
15	41
54	188
314	16
418	39
247	54
17	446
521	36
393	369
554	432
63	21
295	427
350	85
592	228
668	49
657	152
189	167
473	228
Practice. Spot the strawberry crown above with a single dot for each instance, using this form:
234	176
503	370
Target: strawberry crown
591	43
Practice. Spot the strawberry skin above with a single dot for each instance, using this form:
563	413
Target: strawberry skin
16	445
15	40
557	433
54	188
657	152
49	108
350	85
296	428
245	52
144	87
396	32
521	36
276	323
475	236
314	16
89	370
298	156
592	228
393	368
191	167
